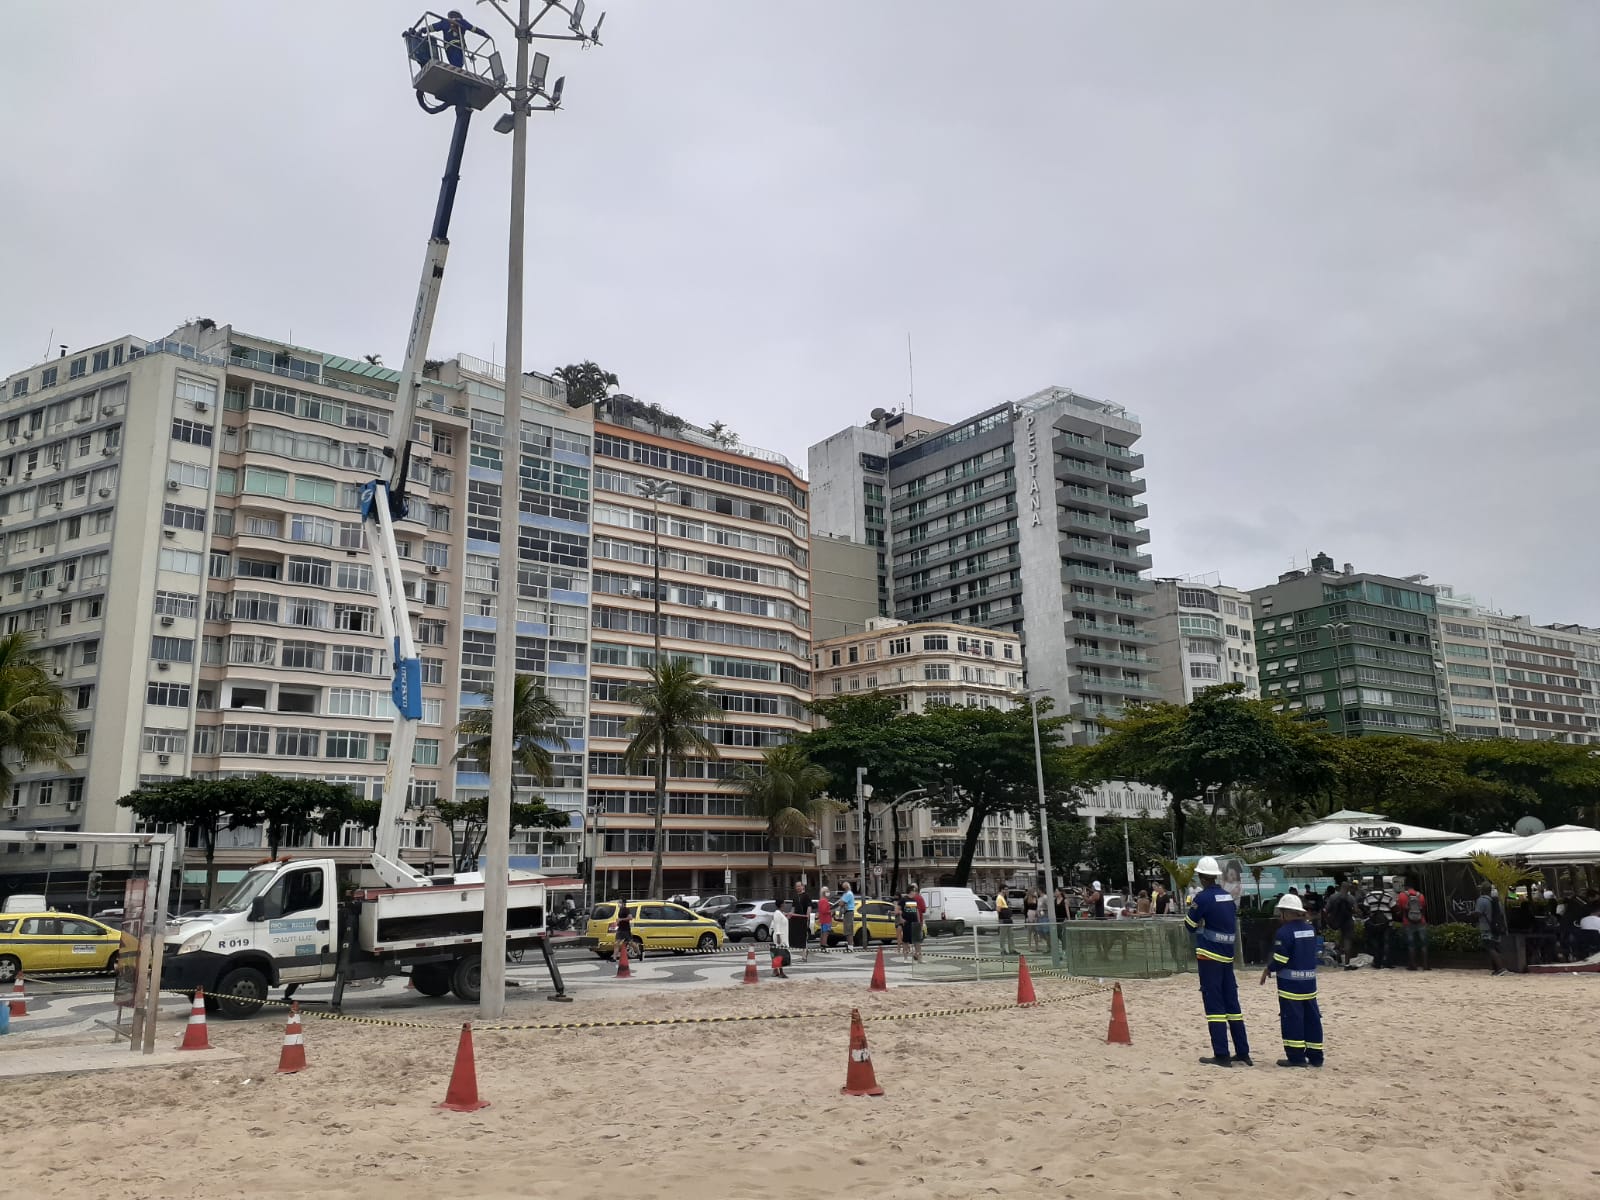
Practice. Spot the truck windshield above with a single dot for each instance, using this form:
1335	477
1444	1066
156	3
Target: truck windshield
246	890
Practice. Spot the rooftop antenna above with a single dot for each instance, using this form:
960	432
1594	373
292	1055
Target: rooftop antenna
911	377
48	342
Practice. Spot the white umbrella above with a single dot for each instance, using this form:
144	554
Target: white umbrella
1563	844
1340	852
1485	843
1340	825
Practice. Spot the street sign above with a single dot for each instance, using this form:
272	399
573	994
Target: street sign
877	872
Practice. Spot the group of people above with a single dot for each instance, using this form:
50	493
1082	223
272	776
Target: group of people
791	926
1382	908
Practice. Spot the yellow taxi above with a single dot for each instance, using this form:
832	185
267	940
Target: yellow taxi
875	922
656	925
39	942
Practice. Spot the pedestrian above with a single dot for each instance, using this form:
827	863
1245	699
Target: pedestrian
800	922
453	30
1214	918
1063	909
1412	906
1294	962
1030	917
781	954
1341	923
847	908
1162	901
824	920
1095	902
910	927
1378	919
1002	908
1144	909
624	934
1491	927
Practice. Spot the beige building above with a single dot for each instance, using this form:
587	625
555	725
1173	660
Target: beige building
731	527
1203	636
922	664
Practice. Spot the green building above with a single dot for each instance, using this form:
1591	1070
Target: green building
1359	652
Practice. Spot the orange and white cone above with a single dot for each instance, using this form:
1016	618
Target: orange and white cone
859	1079
751	975
462	1094
194	1033
880	982
292	1058
1025	995
19	998
622	961
1118	1033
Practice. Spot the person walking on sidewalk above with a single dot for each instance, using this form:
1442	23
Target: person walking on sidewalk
847	906
1294	962
800	921
1002	908
824	919
1214	918
782	956
1491	927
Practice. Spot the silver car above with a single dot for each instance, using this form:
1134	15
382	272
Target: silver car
751	919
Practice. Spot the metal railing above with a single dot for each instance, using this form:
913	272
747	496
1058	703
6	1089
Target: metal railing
1134	948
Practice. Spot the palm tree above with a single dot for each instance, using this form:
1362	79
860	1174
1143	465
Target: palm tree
784	790
722	435
675	704
533	717
34	722
586	382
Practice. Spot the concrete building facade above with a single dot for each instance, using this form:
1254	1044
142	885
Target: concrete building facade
844	588
1204	636
1358	651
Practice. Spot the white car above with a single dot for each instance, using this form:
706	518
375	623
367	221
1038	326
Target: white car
1117	907
751	919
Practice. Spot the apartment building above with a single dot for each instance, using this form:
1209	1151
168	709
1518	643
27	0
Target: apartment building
183	539
730	527
922	664
1204	636
1024	519
1508	677
1359	651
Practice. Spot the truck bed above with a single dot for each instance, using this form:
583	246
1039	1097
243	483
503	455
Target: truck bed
397	919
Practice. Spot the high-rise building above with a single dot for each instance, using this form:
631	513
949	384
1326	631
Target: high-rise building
1203	637
731	528
1360	651
182	538
844	589
1508	677
1021	518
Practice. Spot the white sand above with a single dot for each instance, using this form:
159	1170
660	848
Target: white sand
1438	1085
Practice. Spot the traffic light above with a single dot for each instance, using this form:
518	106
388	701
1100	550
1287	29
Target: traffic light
94	885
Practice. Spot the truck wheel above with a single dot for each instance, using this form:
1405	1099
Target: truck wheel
431	979
241	993
466	978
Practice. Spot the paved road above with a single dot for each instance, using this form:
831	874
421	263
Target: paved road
63	1006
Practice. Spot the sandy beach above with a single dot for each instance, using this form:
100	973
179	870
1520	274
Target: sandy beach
1438	1085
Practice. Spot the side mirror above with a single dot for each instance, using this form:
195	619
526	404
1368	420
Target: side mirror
258	909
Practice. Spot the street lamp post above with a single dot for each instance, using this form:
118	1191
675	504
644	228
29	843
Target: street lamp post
653	490
863	794
1032	695
527	85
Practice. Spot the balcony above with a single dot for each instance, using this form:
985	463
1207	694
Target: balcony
1089	654
1090	600
1090	710
1076	470
1075	520
1080	573
1114	505
1105	685
1077	627
1107	553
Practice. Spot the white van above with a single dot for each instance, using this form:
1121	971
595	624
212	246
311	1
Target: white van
954	910
25	904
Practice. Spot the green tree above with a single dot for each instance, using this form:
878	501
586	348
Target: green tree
207	806
722	435
534	736
1503	876
1554	781
35	725
586	383
675	705
784	792
468	822
292	809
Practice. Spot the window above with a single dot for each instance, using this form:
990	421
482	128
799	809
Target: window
255	568
318	530
307	614
182	516
185	562
191	432
348	744
88	652
900	646
85	697
259	481
354	618
433	670
188	474
317	572
172	649
164	741
936	671
301	655
430	633
355	660
317	491
167	695
297	743
426	753
936	641
245	739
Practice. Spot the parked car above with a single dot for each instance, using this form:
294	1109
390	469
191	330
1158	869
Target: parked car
52	941
656	925
874	923
1115	905
717	907
750	919
954	910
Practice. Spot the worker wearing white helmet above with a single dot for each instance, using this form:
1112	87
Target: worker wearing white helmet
1214	917
1294	962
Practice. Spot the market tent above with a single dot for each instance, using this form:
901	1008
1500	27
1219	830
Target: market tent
1363	827
1339	852
1563	844
1485	843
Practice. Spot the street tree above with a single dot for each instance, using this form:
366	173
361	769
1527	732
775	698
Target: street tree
468	823
207	806
535	738
784	792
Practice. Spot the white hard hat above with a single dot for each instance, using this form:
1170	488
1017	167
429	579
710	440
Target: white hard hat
1290	904
1207	866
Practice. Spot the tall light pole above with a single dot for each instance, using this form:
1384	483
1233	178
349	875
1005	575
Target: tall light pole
527	84
652	490
863	794
1032	695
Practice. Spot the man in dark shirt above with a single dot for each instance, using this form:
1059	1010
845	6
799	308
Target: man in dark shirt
800	920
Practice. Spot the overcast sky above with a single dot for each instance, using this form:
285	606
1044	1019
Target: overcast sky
1344	263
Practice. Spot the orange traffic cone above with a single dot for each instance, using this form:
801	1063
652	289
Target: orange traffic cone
879	983
194	1033
292	1057
1118	1033
462	1094
622	961
19	998
858	1077
1025	994
750	973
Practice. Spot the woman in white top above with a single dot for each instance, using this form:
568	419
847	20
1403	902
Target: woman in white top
780	939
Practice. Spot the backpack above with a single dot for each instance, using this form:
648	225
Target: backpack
1414	908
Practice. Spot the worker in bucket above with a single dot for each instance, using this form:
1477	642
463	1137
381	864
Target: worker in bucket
1294	962
1214	918
452	31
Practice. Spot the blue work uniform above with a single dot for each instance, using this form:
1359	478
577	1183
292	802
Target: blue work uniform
1215	920
1294	962
455	30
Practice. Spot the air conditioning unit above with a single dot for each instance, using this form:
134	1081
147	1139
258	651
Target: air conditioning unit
201	406
433	570
58	506
57	672
108	411
13	442
163	759
167	622
85	419
38	593
163	666
4	481
169	533
27	435
72	806
11	813
27	474
63	585
108	452
105	493
173	485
